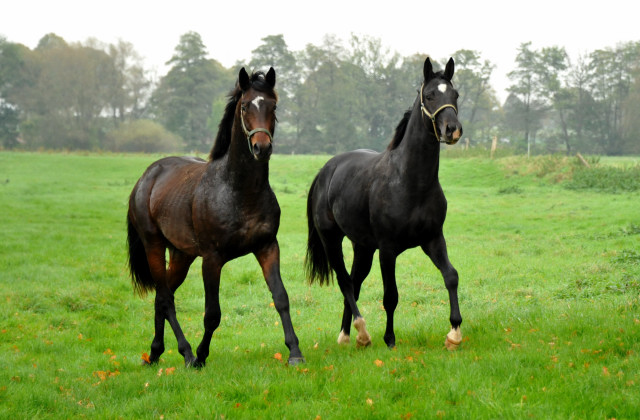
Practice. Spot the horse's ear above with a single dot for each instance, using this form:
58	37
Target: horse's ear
271	78
448	71
428	70
243	80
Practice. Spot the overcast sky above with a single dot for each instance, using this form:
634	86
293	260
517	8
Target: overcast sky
231	29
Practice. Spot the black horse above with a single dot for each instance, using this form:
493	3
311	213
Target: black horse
390	201
220	210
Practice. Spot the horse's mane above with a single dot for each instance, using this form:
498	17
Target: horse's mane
223	139
400	129
402	125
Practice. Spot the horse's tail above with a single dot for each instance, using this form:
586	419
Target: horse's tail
138	264
316	262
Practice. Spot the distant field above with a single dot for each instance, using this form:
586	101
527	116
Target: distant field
549	293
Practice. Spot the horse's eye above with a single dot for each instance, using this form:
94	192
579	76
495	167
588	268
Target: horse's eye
243	108
429	96
275	107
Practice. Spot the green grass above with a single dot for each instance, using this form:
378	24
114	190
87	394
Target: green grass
549	293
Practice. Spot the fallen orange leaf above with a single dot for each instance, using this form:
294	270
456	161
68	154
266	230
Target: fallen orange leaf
145	357
170	371
278	356
100	374
379	362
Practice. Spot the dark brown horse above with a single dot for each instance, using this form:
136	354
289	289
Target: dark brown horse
390	201
218	209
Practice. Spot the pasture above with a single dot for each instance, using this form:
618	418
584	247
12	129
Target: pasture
549	295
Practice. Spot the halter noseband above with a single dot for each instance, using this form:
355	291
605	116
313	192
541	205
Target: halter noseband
252	132
432	117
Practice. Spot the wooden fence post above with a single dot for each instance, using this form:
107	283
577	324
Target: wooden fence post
494	145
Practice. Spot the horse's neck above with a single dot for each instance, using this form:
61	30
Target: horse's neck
241	170
419	152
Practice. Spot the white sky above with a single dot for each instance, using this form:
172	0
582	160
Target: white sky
231	29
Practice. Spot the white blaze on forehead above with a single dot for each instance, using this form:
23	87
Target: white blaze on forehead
257	101
442	87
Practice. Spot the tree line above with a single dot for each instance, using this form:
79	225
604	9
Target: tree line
337	96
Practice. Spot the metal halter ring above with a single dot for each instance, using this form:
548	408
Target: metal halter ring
432	117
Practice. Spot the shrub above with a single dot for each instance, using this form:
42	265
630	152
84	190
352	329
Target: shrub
607	179
143	136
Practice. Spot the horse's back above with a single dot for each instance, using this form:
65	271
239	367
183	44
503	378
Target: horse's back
162	199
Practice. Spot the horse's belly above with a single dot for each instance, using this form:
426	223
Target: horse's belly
180	234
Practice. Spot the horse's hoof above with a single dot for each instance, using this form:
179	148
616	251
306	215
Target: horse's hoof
363	339
453	340
148	361
343	338
293	361
194	363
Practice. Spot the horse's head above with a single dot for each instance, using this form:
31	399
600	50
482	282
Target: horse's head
439	102
257	111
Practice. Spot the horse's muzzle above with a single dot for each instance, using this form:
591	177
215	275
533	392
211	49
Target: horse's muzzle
262	150
452	132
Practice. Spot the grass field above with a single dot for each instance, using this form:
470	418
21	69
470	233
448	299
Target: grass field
549	293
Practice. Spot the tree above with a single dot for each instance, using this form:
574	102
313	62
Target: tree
183	100
379	89
477	99
630	120
550	71
12	72
274	52
611	78
128	85
575	97
62	103
525	108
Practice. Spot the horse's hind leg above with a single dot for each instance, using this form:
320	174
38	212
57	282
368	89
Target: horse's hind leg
437	251
336	261
165	307
362	259
179	264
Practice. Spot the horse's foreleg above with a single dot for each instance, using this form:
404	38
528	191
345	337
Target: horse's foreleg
437	251
211	268
390	299
269	260
362	259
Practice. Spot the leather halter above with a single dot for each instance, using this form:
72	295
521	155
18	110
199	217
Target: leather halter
432	117
252	132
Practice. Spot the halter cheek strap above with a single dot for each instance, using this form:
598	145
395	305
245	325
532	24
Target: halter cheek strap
252	132
431	116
